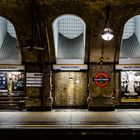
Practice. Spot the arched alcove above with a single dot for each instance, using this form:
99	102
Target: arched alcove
9	54
69	39
130	43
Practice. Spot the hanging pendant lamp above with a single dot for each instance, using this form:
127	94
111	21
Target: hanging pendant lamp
107	33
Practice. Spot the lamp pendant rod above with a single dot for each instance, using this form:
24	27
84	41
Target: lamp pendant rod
33	24
107	15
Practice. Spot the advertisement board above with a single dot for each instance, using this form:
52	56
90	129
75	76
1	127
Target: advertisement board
130	86
18	81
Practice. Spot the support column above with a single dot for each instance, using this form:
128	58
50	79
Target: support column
47	99
101	87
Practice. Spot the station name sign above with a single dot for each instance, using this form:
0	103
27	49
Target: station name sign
127	67
12	67
101	79
69	67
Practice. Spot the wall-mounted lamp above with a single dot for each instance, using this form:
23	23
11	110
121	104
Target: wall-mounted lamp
70	78
101	60
107	33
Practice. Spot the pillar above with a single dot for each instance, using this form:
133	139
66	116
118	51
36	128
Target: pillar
101	87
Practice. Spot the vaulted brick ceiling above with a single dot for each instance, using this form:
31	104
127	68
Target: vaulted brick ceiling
91	11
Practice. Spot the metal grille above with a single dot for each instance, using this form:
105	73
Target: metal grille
69	39
70	26
130	45
129	28
11	29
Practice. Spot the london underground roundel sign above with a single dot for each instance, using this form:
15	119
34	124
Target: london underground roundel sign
101	79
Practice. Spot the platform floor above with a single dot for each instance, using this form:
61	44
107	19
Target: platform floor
69	122
70	118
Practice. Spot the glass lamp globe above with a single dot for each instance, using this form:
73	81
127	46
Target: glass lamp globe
107	34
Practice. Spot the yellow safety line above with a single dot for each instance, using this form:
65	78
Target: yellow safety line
71	126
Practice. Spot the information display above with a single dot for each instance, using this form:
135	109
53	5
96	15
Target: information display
3	81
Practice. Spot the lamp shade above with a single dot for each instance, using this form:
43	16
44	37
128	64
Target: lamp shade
107	34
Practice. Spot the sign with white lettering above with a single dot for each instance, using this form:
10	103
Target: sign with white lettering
101	79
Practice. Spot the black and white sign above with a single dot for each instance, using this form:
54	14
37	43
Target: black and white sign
34	79
130	85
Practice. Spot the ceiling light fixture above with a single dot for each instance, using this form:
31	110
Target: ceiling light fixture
107	33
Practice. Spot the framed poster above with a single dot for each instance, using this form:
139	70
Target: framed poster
130	86
18	81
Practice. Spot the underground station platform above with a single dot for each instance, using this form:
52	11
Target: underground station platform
70	122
